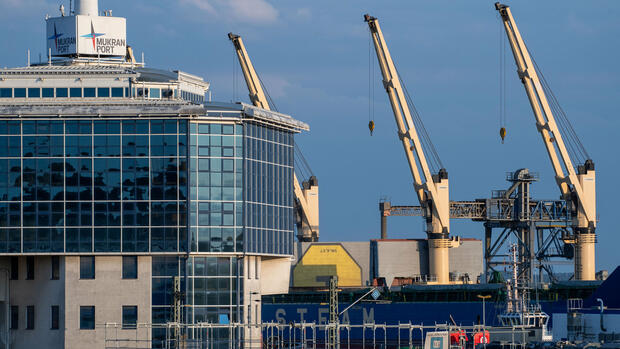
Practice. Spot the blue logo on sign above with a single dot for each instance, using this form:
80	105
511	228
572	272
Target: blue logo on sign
55	36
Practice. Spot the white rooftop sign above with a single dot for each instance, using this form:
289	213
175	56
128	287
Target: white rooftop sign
87	36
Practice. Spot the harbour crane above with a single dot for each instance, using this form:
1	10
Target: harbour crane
432	189
578	186
306	193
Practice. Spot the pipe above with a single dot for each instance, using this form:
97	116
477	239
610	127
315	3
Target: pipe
384	211
600	302
87	7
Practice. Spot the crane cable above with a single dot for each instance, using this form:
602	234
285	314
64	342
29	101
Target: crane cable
502	83
427	145
435	162
272	104
575	148
235	62
371	89
301	164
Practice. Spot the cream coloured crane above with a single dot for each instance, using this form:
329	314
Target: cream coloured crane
575	186
432	190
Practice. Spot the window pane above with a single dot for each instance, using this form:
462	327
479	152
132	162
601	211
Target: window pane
130	316
34	92
20	93
103	92
55	267
29	268
155	93
14	317
117	92
14	268
87	318
76	92
48	93
89	92
130	267
62	92
55	317
30	317
87	267
6	93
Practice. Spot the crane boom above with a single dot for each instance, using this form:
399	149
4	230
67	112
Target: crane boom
257	94
574	186
306	194
432	190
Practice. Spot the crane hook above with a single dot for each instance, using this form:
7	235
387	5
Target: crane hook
502	133
371	126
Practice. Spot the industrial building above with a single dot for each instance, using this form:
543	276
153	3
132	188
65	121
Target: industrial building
385	262
127	198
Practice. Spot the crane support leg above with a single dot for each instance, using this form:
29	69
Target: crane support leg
439	259
584	257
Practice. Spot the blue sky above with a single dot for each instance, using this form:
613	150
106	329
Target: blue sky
314	59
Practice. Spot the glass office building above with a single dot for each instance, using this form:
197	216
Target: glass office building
197	188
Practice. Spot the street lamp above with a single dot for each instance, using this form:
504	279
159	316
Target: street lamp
484	320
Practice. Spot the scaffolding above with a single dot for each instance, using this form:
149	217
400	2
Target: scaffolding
333	335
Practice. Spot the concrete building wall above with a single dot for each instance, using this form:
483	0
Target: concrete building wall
252	299
42	293
274	275
262	275
108	292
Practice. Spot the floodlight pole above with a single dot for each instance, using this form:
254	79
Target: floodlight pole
484	317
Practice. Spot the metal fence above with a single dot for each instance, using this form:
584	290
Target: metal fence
294	336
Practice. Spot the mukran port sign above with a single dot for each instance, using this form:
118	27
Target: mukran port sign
87	35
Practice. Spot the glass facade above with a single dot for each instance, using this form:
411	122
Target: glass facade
269	194
93	186
197	195
216	187
213	286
